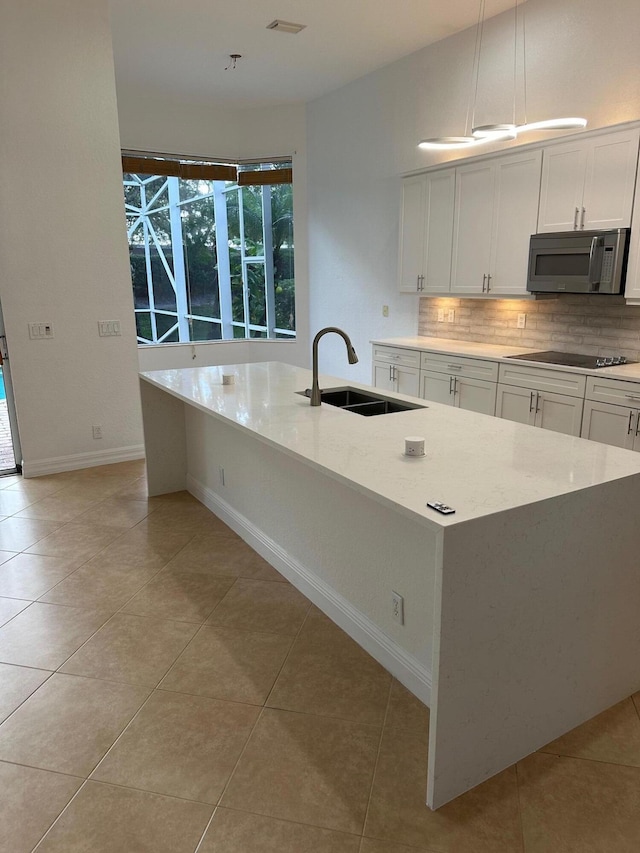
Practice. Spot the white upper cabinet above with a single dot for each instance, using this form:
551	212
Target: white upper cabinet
495	215
426	232
472	228
411	234
515	215
588	183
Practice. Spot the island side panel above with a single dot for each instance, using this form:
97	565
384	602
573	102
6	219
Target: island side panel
342	549
164	440
538	630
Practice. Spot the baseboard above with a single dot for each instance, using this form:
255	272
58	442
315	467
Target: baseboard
366	633
57	464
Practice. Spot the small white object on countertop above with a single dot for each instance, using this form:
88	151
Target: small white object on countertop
414	446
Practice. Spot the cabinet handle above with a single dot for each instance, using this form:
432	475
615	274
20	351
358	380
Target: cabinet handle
484	281
454	367
631	414
531	402
394	376
396	356
582	219
632	397
420	283
638	424
538	402
575	219
390	375
489	277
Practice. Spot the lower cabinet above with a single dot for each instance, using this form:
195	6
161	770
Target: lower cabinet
545	409
616	425
476	395
397	377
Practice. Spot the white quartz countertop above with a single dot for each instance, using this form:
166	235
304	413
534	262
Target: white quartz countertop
495	352
477	464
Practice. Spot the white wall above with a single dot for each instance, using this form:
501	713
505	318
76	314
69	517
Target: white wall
174	128
63	255
582	59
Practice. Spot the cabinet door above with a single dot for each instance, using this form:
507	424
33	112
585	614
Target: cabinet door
563	171
383	376
515	218
473	228
516	404
437	387
476	395
559	413
438	234
609	424
610	179
411	235
406	380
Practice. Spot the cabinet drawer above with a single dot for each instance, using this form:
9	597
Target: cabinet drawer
543	379
470	368
616	391
397	355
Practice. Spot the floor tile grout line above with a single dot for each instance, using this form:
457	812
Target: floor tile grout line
26	699
261	713
42	769
377	761
55	821
520	820
288	655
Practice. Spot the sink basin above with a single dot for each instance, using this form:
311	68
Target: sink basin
362	402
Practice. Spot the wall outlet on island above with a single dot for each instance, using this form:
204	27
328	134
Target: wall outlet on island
97	430
397	607
385	310
440	315
221	475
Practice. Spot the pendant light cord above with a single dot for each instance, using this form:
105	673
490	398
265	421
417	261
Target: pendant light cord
475	71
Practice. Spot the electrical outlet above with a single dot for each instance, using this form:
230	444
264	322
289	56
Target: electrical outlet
440	315
522	321
221	475
397	607
97	430
385	310
452	316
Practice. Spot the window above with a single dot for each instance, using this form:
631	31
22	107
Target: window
211	257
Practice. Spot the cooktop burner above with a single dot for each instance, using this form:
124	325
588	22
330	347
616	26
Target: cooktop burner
571	359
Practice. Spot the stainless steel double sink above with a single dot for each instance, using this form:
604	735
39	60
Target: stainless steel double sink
362	402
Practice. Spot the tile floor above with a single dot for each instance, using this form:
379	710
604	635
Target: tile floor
164	690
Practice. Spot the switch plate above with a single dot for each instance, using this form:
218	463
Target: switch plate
522	321
40	331
385	310
440	315
397	607
452	315
109	328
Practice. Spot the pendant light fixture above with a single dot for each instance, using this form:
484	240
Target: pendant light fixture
504	131
444	143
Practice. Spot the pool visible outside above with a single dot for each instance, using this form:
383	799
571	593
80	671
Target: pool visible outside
2	391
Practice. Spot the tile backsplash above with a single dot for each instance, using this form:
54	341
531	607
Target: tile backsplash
594	325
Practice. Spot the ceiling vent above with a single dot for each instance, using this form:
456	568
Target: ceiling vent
285	27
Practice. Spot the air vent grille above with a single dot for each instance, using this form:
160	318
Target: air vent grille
285	27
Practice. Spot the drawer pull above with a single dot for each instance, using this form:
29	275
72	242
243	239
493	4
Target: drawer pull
631	414
633	397
638	424
454	367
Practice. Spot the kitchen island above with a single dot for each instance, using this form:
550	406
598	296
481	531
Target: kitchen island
521	609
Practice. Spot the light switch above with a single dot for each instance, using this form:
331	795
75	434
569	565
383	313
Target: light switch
108	328
40	331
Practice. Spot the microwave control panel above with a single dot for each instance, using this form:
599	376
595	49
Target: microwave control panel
607	265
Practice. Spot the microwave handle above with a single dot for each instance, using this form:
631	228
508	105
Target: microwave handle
594	276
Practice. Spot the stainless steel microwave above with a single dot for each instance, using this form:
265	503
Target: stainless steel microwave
578	261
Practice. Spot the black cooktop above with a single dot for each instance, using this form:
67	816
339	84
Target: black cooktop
572	359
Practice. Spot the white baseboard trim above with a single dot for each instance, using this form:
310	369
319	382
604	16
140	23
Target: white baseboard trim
57	464
366	633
